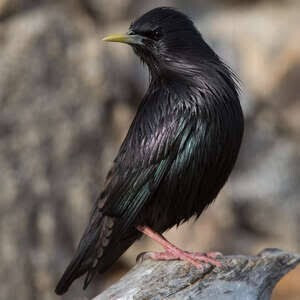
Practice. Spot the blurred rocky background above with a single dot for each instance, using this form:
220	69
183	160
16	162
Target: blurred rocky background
67	99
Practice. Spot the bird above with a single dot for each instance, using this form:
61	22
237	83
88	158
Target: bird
179	150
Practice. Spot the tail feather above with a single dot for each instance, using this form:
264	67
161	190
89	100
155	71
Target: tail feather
73	271
98	249
80	263
111	254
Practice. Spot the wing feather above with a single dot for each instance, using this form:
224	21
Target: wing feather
129	188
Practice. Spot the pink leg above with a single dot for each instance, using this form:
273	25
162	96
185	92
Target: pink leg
172	252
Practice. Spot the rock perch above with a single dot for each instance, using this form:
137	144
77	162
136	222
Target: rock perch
241	277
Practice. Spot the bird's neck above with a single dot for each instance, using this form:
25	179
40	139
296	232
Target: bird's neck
207	84
186	69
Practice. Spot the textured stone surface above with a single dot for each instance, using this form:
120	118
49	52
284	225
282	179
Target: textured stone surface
240	277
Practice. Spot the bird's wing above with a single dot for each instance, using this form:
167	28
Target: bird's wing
141	164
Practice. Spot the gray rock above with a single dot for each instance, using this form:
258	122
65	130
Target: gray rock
240	277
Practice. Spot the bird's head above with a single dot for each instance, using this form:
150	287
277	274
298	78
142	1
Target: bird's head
167	41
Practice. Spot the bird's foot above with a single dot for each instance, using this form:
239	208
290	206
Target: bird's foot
172	252
195	258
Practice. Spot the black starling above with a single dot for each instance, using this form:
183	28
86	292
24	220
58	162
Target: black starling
179	150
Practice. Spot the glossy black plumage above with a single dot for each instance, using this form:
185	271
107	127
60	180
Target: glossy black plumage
179	150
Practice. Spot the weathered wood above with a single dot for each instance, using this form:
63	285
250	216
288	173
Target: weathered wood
240	277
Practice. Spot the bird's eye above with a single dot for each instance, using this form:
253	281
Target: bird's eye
153	34
156	33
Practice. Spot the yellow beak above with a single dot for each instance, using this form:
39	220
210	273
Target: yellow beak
133	39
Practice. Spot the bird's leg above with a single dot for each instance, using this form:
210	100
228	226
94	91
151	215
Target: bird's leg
172	252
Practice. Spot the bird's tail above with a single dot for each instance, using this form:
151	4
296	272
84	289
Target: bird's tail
98	249
74	270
